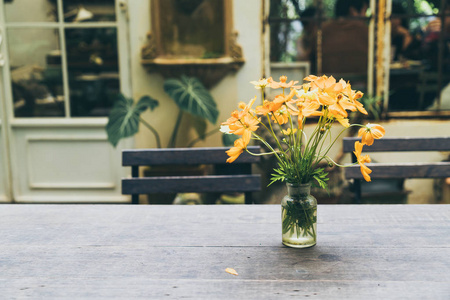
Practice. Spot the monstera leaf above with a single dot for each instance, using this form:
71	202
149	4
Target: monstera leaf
124	117
191	96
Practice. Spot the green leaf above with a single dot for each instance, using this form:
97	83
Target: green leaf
228	139
123	120
190	95
321	178
199	125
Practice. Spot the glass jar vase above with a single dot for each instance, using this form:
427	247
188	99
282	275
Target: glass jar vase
299	216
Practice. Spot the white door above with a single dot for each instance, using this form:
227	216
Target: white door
65	62
5	182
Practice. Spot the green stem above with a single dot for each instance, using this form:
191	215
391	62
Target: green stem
153	130
339	165
273	133
268	146
331	145
309	220
260	154
202	137
173	138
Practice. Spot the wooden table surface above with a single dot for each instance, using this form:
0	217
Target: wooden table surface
175	252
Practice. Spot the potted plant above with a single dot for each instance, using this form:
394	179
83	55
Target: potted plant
188	93
192	99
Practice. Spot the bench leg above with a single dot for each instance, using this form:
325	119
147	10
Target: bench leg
248	198
357	188
135	199
135	174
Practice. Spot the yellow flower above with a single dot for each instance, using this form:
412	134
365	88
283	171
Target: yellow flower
327	87
305	94
262	83
353	95
310	78
243	121
281	99
239	146
306	108
343	121
365	171
340	106
289	131
371	132
282	83
281	116
246	123
246	108
326	84
322	96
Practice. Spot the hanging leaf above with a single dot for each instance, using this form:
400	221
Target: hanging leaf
191	96
124	117
228	139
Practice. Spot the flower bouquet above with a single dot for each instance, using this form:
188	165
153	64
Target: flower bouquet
321	99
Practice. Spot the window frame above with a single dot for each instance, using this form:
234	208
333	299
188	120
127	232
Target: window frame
121	27
372	57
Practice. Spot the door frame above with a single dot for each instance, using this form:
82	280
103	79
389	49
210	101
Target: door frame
9	123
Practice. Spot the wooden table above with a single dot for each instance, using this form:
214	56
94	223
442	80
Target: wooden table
164	252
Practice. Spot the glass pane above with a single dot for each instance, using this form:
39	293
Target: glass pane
89	11
290	9
345	8
192	29
93	70
31	10
345	46
36	73
291	41
415	81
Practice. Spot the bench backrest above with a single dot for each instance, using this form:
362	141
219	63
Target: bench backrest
235	177
402	170
399	170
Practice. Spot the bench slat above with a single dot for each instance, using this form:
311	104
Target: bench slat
192	184
402	170
401	144
184	156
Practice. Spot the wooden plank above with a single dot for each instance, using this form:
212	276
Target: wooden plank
184	156
192	184
357	226
388	144
140	287
252	263
152	252
402	170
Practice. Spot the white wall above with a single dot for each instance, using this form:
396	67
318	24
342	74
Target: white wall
232	89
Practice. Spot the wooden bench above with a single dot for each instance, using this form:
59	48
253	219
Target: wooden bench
398	170
235	177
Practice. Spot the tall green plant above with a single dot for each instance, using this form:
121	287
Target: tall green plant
191	97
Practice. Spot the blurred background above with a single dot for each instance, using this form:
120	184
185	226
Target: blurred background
63	64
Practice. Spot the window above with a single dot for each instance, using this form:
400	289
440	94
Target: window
63	57
419	70
339	38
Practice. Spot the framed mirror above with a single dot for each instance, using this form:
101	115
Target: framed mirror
194	38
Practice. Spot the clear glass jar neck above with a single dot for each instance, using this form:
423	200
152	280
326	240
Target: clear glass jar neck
299	190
